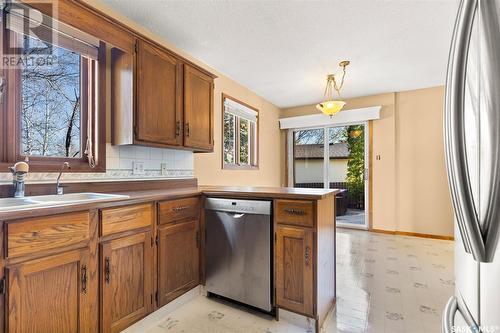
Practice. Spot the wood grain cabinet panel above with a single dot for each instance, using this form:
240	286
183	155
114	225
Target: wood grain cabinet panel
171	103
126	281
198	109
178	260
45	233
179	210
159	96
50	295
119	219
294	212
294	262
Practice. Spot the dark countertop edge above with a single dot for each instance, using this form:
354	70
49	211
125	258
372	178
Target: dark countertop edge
137	197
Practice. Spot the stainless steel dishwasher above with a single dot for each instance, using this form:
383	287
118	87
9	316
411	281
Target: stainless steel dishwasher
238	250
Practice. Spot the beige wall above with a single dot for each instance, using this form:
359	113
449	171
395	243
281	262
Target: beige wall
423	200
408	140
207	166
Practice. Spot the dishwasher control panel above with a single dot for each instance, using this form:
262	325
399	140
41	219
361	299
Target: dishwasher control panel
239	206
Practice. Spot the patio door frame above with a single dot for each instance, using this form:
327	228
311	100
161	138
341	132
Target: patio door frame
326	163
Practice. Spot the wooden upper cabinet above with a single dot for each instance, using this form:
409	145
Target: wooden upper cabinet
178	260
294	261
159	96
51	295
159	99
126	281
198	109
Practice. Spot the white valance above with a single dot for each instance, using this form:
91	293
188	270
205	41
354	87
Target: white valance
240	110
343	117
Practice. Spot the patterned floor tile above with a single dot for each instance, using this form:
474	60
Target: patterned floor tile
385	284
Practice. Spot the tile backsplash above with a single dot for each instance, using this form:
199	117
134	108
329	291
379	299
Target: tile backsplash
119	166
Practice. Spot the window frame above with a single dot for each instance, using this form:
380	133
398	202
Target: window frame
95	117
253	137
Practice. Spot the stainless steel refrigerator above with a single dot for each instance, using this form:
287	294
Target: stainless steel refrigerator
472	146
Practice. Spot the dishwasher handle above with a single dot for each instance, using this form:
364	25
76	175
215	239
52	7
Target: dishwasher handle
235	216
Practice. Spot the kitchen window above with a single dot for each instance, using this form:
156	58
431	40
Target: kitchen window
52	77
240	134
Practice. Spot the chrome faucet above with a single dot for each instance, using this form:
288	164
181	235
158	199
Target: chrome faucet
19	173
59	188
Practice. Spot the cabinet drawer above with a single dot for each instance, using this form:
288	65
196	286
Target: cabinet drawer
119	219
178	210
294	212
38	234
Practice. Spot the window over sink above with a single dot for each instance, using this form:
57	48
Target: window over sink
51	97
240	134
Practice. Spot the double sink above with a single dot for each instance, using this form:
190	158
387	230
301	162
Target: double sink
44	201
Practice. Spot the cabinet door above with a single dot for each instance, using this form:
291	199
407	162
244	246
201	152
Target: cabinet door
294	269
178	260
198	109
159	96
50	295
127	281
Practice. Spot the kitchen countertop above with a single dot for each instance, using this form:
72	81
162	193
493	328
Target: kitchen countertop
268	192
168	194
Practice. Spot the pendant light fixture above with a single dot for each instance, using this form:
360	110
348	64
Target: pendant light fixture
331	106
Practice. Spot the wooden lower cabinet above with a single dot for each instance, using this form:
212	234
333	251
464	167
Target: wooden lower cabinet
126	281
178	260
50	294
294	269
105	279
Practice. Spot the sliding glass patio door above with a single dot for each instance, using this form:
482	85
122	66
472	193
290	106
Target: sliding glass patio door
334	157
308	158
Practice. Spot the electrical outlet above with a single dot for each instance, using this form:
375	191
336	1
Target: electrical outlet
137	168
163	167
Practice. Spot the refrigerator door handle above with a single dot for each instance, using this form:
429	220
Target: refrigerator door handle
451	181
490	138
449	315
452	307
455	150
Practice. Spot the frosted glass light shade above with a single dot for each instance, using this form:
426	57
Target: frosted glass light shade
330	108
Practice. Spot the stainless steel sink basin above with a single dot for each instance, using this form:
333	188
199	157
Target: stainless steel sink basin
14	203
43	201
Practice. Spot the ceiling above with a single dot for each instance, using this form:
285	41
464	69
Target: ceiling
282	50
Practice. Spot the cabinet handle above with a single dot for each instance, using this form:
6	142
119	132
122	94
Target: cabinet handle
178	128
180	208
307	255
293	211
84	279
187	129
106	270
